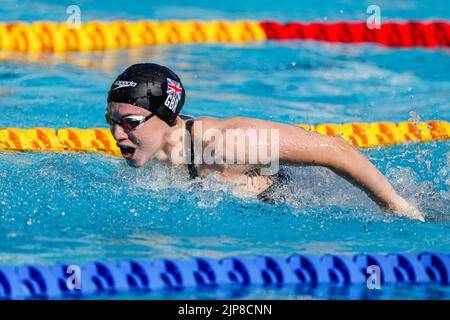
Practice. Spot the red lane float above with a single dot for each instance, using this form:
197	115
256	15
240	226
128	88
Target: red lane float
393	34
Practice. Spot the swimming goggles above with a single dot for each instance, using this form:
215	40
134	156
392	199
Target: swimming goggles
129	122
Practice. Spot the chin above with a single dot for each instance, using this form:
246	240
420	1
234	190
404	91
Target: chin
136	162
132	163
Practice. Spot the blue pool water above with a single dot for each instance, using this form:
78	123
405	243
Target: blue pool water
82	207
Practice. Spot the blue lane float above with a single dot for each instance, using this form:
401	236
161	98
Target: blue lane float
134	276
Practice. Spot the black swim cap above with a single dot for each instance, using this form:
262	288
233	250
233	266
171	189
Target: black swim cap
152	87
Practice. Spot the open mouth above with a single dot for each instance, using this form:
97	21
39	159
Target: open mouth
127	152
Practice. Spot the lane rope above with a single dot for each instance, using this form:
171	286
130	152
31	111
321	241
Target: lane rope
42	36
100	140
163	275
392	34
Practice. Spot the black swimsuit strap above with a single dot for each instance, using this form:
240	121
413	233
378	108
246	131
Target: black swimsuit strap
192	168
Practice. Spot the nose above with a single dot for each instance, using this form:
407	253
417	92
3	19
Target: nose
118	133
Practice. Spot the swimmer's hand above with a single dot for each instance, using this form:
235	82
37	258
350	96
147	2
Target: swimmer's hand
403	208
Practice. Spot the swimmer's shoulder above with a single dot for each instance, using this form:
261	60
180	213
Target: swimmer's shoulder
226	123
206	123
252	123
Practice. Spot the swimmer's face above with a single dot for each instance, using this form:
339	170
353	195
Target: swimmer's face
141	144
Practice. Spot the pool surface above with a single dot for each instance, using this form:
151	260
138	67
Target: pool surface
59	207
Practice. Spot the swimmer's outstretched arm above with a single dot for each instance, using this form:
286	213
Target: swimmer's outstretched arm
299	146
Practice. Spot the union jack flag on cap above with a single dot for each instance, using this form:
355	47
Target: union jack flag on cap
174	89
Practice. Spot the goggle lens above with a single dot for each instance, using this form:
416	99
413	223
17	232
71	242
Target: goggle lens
128	122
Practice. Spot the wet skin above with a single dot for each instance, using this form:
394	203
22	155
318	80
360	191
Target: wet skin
156	140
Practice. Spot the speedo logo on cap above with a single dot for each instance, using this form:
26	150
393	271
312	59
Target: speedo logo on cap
124	84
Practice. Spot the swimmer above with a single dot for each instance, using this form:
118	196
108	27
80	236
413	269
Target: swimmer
143	111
